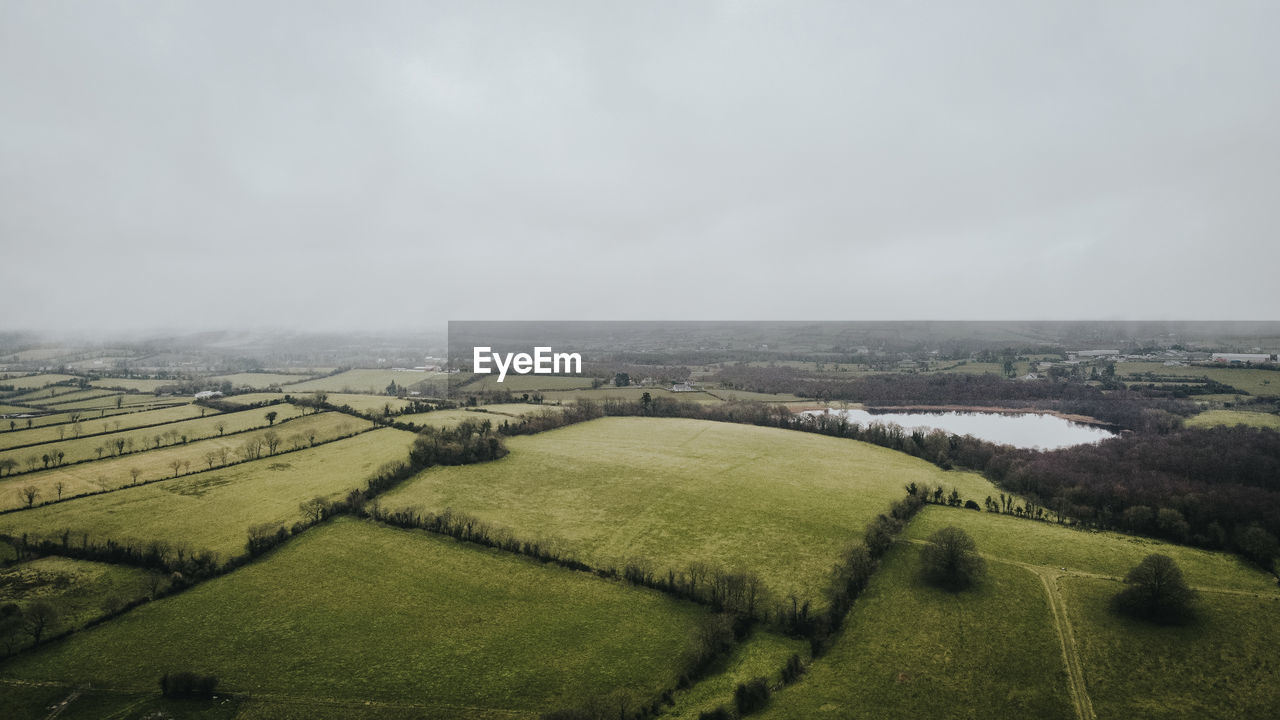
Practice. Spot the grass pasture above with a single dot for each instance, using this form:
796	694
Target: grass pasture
185	431
259	380
909	650
674	491
91	422
497	414
362	612
1213	418
213	510
1103	553
366	381
526	383
148	385
1224	665
79	590
1217	666
119	400
117	472
31	382
360	403
761	655
631	393
1249	380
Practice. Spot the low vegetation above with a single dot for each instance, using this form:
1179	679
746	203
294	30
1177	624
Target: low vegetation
357	611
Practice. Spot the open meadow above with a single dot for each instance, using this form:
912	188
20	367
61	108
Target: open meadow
91	423
31	382
367	381
173	459
1253	381
213	510
360	612
97	447
670	492
260	380
1213	418
909	650
77	590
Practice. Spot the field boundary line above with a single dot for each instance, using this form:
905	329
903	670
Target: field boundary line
1070	652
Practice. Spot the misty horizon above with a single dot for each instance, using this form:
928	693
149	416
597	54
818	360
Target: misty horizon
179	168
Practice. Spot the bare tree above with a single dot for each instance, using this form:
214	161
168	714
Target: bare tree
314	508
176	465
29	493
59	487
272	440
220	426
134	473
39	616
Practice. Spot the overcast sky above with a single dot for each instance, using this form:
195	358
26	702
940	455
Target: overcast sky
383	165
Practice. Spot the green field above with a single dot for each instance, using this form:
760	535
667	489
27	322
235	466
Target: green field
258	380
1102	553
1249	380
30	382
1224	665
61	417
526	383
79	590
359	611
91	423
137	384
761	655
909	650
628	393
117	472
185	431
746	395
372	404
366	381
496	414
75	395
119	400
1212	418
671	492
43	395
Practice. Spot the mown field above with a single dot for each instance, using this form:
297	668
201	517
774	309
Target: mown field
91	423
96	447
1212	418
909	650
113	473
358	611
78	590
671	492
365	381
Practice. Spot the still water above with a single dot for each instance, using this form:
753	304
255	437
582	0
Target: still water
1027	430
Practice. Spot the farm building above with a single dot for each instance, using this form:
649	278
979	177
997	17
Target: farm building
1242	357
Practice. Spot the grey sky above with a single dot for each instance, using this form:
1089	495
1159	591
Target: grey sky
382	165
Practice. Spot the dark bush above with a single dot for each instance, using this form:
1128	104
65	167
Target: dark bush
751	696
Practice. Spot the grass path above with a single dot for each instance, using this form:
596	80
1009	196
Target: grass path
1050	577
